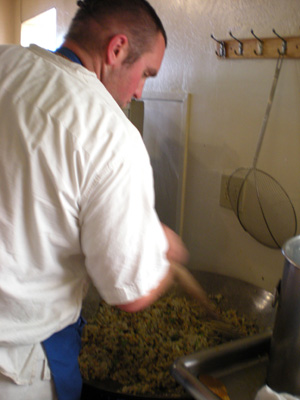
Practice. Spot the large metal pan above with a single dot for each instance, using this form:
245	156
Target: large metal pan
244	297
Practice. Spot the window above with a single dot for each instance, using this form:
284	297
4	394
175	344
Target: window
40	30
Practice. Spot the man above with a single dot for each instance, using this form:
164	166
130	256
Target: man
76	199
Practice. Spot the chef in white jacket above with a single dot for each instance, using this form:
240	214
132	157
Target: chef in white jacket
76	198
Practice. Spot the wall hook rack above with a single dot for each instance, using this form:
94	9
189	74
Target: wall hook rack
258	48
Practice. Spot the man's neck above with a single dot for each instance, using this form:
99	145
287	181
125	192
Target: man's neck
90	62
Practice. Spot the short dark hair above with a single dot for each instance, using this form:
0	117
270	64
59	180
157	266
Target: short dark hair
137	19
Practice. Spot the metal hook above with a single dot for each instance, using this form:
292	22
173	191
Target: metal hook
259	44
284	45
240	53
222	51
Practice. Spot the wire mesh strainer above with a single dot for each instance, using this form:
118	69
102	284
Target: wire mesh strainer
262	206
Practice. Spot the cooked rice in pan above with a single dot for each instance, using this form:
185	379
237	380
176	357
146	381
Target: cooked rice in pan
136	350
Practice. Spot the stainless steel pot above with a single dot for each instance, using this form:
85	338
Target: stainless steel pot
284	366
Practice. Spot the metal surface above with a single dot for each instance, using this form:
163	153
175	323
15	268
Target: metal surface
244	297
239	365
284	369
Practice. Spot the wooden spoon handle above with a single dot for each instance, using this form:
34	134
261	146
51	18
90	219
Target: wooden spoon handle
193	288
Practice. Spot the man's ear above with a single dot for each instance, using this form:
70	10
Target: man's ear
117	50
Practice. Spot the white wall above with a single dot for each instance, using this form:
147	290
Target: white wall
9	30
228	102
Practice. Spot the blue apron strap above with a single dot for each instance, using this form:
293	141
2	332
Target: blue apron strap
62	350
69	54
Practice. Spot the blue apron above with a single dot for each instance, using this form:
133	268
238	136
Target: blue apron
62	348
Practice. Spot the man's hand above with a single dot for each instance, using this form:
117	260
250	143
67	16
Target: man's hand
177	251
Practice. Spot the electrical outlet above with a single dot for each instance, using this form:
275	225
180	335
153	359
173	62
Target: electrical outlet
235	184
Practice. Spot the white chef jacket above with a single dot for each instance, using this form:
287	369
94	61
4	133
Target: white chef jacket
76	198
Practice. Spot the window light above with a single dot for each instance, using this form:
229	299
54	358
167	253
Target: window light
40	30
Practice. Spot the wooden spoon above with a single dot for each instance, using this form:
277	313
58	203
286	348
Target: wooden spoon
193	288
